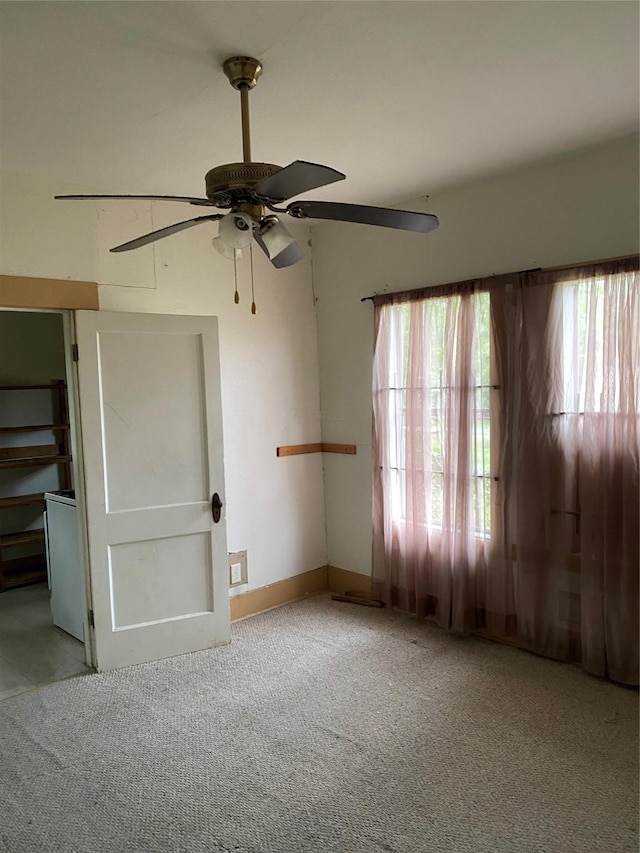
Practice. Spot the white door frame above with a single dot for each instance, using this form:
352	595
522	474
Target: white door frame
71	366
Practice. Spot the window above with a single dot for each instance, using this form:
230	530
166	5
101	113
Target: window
438	410
592	347
561	348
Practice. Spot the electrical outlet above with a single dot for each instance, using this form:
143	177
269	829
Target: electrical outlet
238	568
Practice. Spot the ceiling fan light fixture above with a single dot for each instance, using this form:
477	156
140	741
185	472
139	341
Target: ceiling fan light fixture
235	232
275	236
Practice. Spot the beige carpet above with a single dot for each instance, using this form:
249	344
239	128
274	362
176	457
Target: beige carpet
326	728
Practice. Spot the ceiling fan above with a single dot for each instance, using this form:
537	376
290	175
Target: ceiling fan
251	192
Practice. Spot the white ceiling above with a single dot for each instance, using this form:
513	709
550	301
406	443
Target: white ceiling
405	97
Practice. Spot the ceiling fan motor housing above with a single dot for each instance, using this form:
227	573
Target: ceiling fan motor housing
233	183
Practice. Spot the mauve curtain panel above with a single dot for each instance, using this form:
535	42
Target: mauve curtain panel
557	566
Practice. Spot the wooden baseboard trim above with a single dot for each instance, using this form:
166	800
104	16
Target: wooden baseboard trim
18	291
341	581
276	594
293	589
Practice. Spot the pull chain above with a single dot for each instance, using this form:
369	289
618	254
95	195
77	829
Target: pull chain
236	296
253	298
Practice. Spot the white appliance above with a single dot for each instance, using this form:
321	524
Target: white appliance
66	575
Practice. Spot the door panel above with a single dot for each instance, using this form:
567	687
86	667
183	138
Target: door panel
153	364
146	586
152	436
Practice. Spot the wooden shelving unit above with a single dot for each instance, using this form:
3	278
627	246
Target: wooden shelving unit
20	570
21	500
48	459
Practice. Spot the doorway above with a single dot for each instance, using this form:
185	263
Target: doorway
145	407
42	571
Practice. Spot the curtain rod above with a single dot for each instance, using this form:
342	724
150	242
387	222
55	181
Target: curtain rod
499	275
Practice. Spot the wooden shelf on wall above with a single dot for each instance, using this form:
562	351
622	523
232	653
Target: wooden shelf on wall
33	428
22	500
35	451
48	385
347	449
317	447
24	571
24	537
34	462
297	449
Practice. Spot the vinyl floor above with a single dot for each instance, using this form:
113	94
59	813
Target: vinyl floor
33	652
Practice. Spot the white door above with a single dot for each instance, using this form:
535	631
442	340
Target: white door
151	420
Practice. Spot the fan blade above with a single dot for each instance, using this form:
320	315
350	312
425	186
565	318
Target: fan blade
296	178
387	217
164	232
289	256
188	199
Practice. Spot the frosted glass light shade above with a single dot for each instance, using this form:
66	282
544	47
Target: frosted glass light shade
225	250
275	236
235	233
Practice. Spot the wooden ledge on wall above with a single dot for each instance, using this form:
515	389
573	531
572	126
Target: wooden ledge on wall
17	291
317	447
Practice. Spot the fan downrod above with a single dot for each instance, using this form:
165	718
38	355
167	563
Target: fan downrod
231	184
243	73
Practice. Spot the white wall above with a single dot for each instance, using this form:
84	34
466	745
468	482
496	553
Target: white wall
269	362
577	209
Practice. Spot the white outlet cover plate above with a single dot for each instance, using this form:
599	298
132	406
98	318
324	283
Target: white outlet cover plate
238	568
